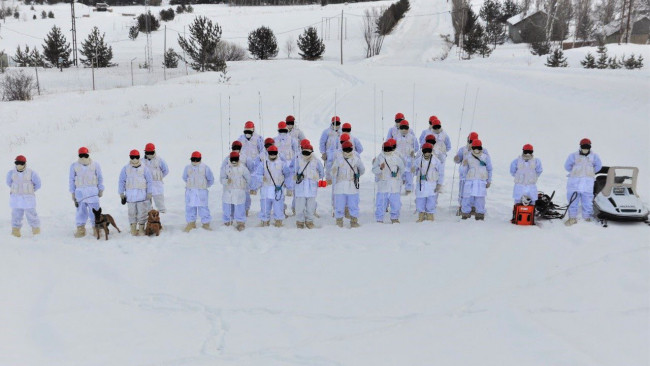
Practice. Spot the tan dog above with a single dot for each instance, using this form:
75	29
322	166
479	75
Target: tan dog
102	222
153	223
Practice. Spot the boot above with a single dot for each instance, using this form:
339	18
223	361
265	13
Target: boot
141	230
277	223
347	213
134	229
588	219
15	231
206	226
354	222
265	223
339	222
431	217
247	213
465	216
227	223
394	221
81	232
473	212
241	226
421	216
189	226
571	221
36	230
300	224
309	224
479	216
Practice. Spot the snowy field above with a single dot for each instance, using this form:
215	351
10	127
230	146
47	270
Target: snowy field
449	292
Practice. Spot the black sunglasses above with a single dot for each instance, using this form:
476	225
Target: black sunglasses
399	120
336	123
20	163
347	129
273	153
477	148
194	160
347	149
134	156
248	131
149	152
427	151
283	131
290	123
432	142
403	127
528	151
84	155
585	146
306	152
234	160
437	127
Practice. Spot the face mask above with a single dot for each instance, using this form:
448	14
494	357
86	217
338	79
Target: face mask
273	156
528	156
584	151
388	151
20	168
248	135
404	132
84	161
289	127
135	162
196	163
476	152
234	162
283	132
427	155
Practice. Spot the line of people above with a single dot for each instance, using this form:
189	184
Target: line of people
286	166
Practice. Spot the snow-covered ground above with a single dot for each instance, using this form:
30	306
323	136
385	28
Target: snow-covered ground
450	292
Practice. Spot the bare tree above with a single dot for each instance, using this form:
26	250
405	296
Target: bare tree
458	17
371	34
289	46
606	10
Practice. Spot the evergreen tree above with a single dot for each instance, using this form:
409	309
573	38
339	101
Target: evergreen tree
491	13
262	43
97	53
56	48
21	58
509	9
201	46
167	15
36	58
589	62
171	59
629	63
474	38
50	14
310	44
153	23
134	31
556	59
43	15
602	63
639	62
612	63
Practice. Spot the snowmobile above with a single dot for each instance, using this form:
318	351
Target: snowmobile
615	196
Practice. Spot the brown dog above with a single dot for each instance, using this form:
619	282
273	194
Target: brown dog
102	222
153	223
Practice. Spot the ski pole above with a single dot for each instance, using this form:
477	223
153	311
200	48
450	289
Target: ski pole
460	126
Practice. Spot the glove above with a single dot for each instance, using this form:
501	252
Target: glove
412	154
487	185
289	193
382	166
253	192
123	199
412	170
438	188
101	193
324	156
148	196
329	182
456	159
229	181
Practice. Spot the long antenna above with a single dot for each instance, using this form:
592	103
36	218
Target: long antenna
471	125
299	103
374	119
413	115
229	135
335	102
74	34
221	125
460	126
382	112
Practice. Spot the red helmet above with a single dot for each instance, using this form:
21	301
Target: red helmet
272	148
434	121
427	146
347	144
346	126
21	159
249	124
150	147
399	116
388	144
269	141
304	143
308	147
234	154
392	142
430	138
404	123
282	125
528	147
134	153
585	141
336	119
196	154
236	143
290	118
345	137
472	136
477	143
83	150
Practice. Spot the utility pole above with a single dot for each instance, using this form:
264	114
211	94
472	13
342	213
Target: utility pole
74	35
164	53
627	28
341	36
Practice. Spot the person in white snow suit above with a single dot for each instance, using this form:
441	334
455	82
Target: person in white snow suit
294	131
23	182
198	178
443	142
86	185
159	170
307	170
388	167
329	143
582	166
235	179
288	147
394	131
526	169
477	180
347	170
249	163
252	143
430	177
273	175
135	187
346	128
464	152
407	146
